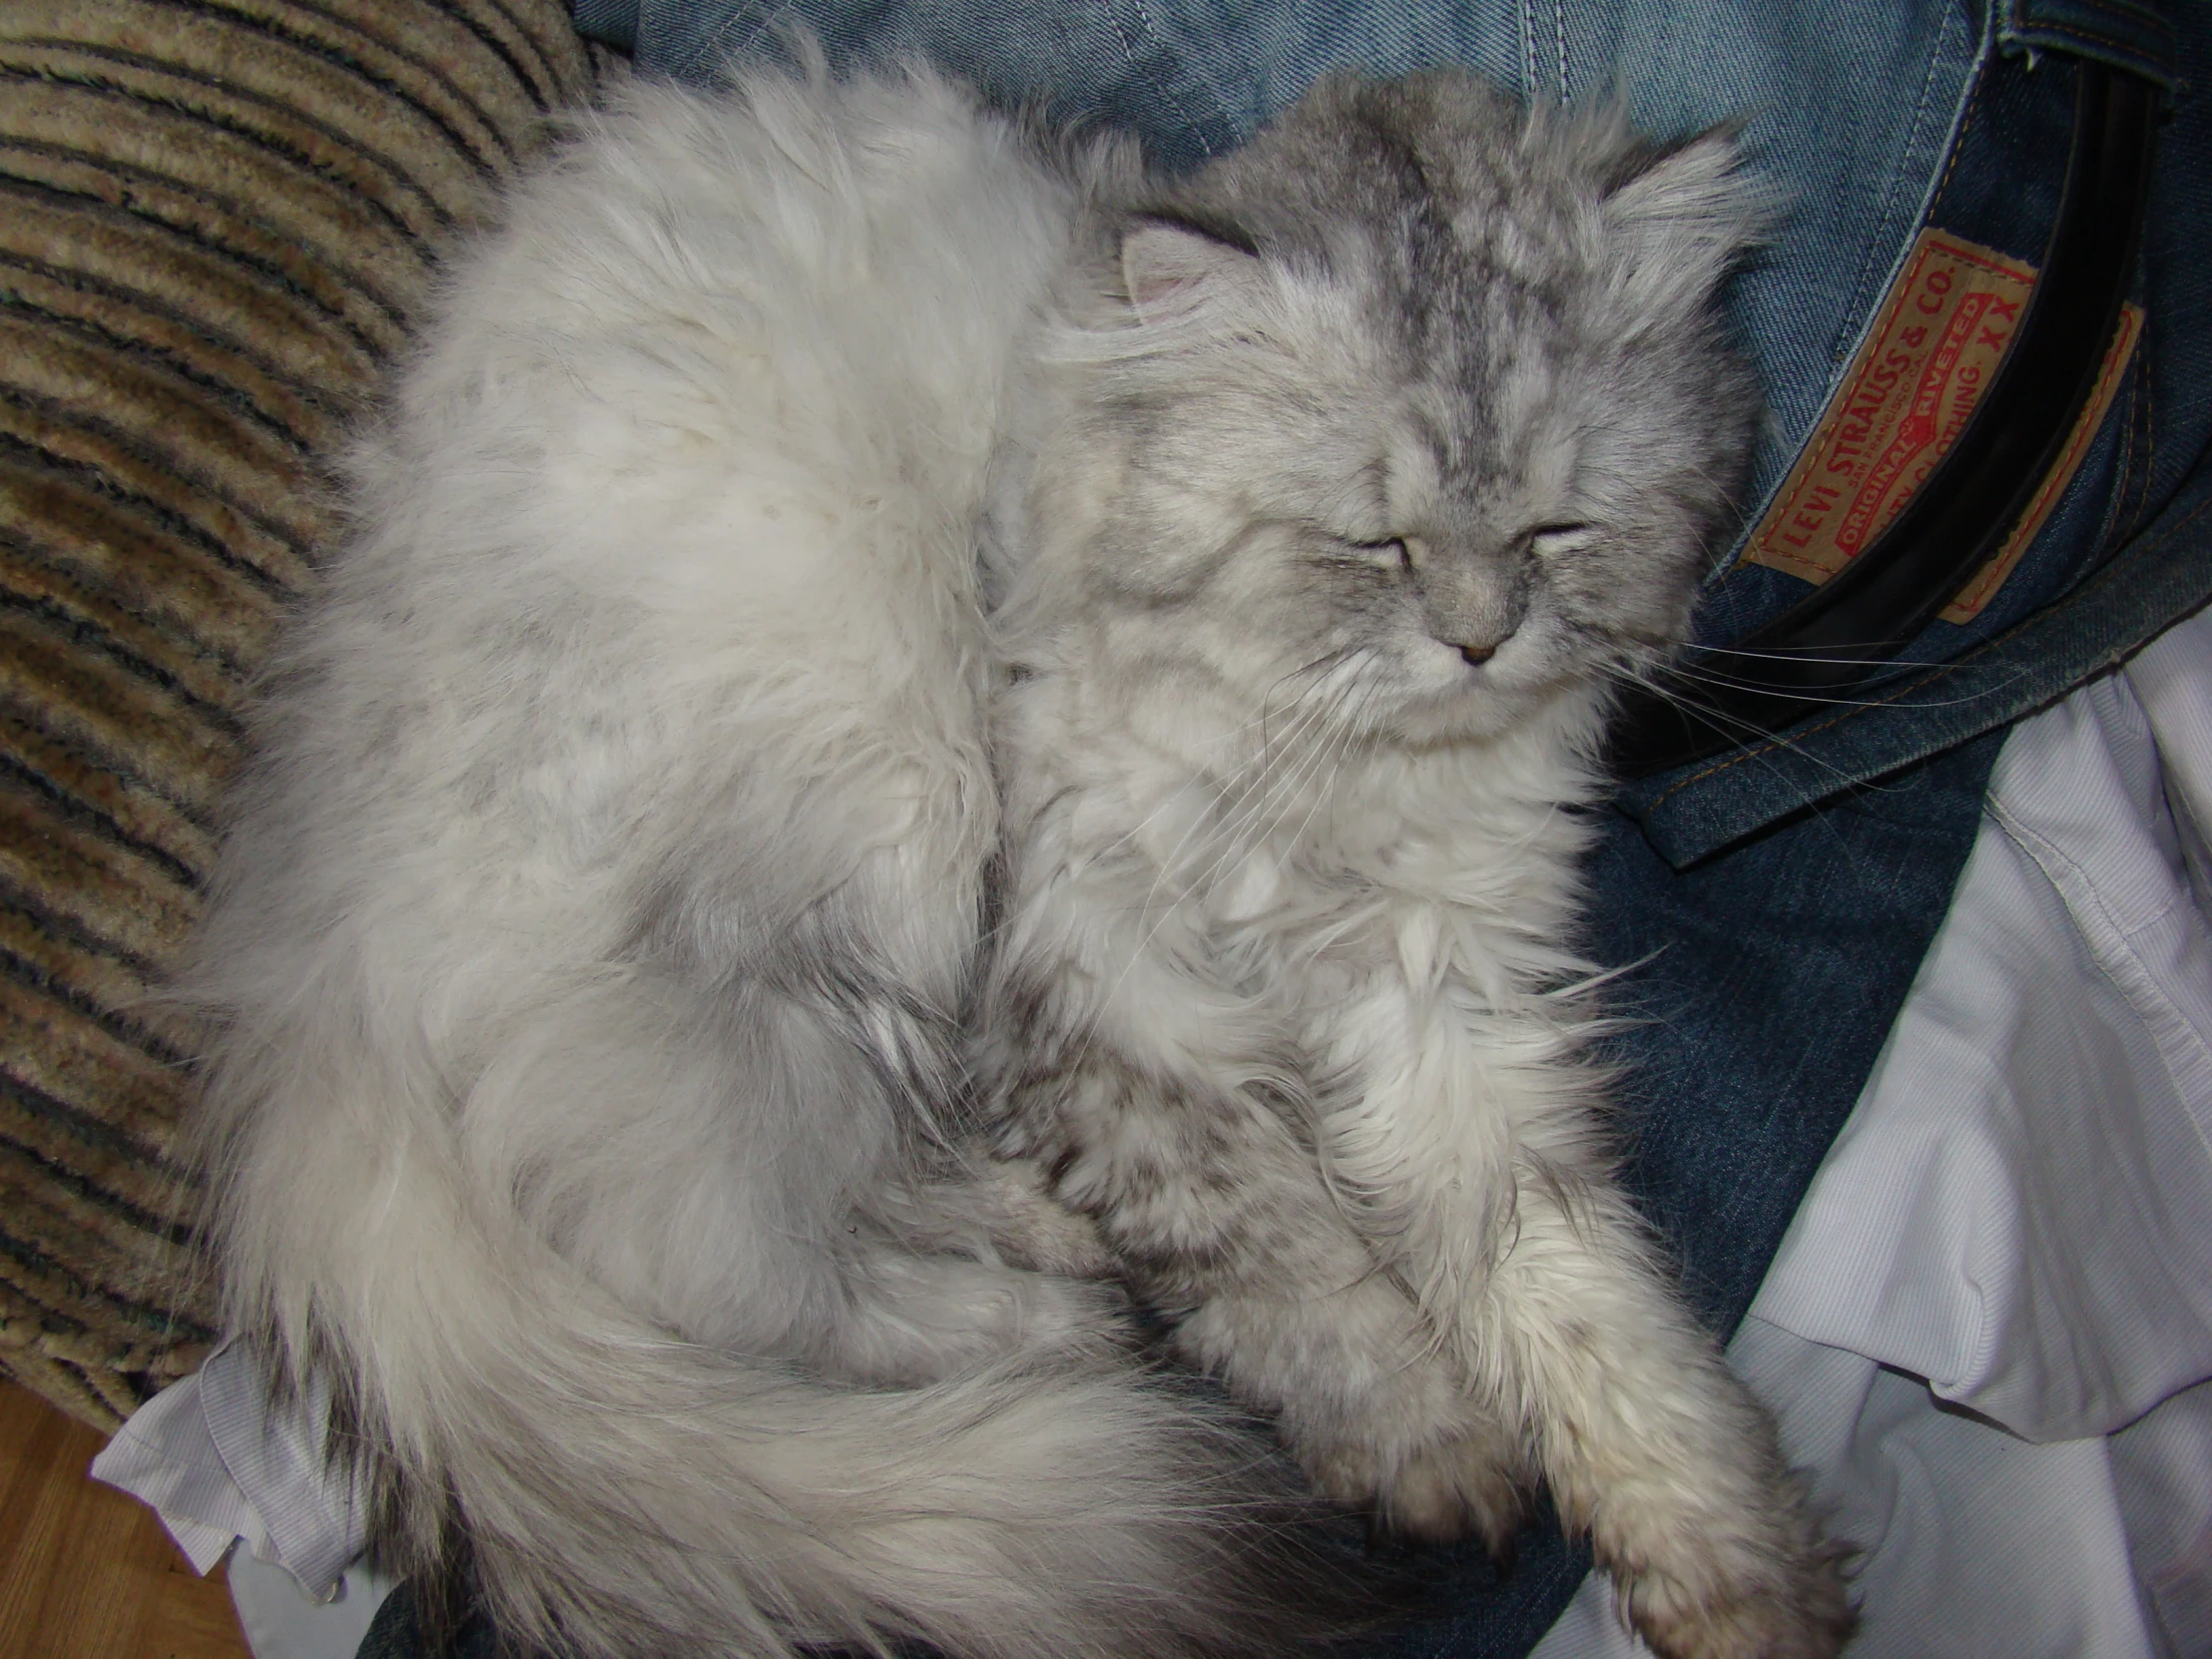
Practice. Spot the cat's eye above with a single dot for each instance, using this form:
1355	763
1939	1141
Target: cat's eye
1393	550
1555	538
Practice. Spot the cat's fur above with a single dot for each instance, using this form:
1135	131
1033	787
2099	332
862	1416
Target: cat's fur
585	965
1318	569
588	946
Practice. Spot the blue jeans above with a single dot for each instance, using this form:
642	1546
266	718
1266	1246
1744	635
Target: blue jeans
1779	898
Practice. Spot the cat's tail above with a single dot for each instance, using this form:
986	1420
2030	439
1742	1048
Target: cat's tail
623	1493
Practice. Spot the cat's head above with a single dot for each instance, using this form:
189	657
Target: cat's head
1418	393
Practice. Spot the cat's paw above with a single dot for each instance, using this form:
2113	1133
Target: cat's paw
1793	1604
918	1320
1464	1488
1471	1486
1035	1229
1039	1312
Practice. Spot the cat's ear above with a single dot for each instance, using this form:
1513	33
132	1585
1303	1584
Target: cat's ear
1679	221
1173	271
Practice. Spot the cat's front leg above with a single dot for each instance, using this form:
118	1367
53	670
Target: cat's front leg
1009	1201
1649	1442
1202	1178
962	1264
1474	1155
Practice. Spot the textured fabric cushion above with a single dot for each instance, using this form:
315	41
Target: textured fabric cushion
215	219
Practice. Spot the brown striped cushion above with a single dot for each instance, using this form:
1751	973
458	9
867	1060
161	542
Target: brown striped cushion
214	221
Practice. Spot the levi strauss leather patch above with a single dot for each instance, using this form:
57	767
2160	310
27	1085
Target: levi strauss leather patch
1934	351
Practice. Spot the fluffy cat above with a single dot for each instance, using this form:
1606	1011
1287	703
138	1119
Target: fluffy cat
1400	441
587	1104
586	955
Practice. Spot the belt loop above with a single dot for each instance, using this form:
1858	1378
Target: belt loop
2136	36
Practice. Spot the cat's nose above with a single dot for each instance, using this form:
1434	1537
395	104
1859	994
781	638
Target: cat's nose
1478	655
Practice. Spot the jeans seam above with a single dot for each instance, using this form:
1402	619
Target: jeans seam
724	44
2150	421
2084	37
2021	29
1863	299
2151	13
2133	486
2108	523
1175	88
1961	660
1958	143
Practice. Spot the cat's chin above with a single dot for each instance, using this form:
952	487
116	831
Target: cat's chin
1486	712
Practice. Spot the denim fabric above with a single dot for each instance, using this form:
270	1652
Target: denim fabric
2126	551
2163	573
1778	900
397	1633
2128	34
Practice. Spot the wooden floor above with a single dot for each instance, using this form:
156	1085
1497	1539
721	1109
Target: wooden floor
85	1573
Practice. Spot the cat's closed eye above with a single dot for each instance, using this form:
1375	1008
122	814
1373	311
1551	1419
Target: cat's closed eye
1545	540
1393	552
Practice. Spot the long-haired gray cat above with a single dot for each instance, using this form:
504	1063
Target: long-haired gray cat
586	1107
1327	532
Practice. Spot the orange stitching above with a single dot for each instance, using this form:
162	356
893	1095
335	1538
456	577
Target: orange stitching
1959	141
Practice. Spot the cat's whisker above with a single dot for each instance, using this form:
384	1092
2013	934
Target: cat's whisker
1225	740
1249	803
1357	730
1346	735
1759	744
1278	799
1308	769
1234	840
1258	782
1801	655
1325	665
1199	782
1828	700
1316	709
